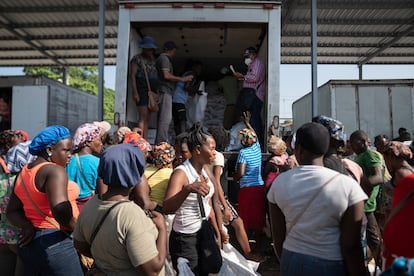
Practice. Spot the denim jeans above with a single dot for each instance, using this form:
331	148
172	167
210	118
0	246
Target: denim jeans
50	252
296	264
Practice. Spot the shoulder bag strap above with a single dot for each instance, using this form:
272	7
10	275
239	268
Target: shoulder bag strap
40	212
400	205
98	227
146	74
83	176
295	220
153	173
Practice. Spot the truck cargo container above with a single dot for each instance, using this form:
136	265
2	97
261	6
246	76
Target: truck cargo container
32	103
214	32
375	106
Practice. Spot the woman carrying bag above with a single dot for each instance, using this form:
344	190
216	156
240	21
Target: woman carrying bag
43	205
188	194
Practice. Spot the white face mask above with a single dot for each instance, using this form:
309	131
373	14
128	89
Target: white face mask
247	61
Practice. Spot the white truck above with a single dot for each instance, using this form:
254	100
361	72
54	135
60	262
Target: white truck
214	32
32	103
375	106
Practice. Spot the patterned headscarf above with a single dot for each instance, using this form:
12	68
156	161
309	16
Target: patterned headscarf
399	150
335	127
163	155
137	140
120	134
247	137
47	137
84	134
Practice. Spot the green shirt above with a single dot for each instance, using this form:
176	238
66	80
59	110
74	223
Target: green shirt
370	159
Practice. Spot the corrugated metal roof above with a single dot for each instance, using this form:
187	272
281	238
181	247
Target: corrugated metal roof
47	32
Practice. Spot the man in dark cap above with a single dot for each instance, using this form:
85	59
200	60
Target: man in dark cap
167	81
254	84
316	213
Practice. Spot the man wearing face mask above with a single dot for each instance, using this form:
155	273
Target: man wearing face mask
254	81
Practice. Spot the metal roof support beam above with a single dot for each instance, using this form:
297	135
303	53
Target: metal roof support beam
357	4
61	37
55	9
63	24
101	61
27	40
387	45
360	71
314	41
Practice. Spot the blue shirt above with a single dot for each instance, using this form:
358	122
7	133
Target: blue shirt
252	157
89	164
180	94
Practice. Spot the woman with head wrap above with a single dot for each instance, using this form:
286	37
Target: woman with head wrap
248	173
162	156
43	201
127	242
398	232
83	166
189	180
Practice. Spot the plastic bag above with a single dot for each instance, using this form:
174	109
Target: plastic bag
183	268
235	264
235	143
197	107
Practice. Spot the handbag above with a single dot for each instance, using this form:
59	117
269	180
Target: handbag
153	97
210	259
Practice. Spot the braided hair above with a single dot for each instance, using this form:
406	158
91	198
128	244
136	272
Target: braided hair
221	135
197	136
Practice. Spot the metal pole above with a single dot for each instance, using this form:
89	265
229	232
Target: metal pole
101	62
360	71
65	75
314	39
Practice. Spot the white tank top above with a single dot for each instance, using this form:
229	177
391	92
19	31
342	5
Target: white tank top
188	217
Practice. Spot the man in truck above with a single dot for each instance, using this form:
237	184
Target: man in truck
254	82
167	81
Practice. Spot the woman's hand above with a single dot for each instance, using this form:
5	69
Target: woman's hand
136	98
158	220
26	235
226	215
199	187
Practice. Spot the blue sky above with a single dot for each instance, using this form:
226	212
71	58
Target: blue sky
295	80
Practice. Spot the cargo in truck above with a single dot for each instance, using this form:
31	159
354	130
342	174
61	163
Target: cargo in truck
32	103
213	32
375	106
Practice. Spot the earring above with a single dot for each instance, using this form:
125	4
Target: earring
49	154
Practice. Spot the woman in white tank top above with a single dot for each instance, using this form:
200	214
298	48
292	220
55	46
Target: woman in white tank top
188	180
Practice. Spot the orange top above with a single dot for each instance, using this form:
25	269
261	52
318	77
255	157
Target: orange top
40	198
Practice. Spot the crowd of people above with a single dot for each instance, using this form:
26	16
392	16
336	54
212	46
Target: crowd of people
112	203
76	203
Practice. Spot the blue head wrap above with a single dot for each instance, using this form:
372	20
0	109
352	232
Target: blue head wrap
122	165
47	137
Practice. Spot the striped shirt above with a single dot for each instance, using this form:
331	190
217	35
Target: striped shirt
256	78
18	156
252	157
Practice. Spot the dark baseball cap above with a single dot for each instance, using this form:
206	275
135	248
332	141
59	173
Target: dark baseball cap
169	45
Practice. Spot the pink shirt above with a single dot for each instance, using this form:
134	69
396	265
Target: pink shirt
256	78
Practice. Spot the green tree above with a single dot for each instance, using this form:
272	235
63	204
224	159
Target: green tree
83	78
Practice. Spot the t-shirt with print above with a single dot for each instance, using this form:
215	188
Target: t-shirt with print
370	159
158	182
252	157
163	63
317	232
126	239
